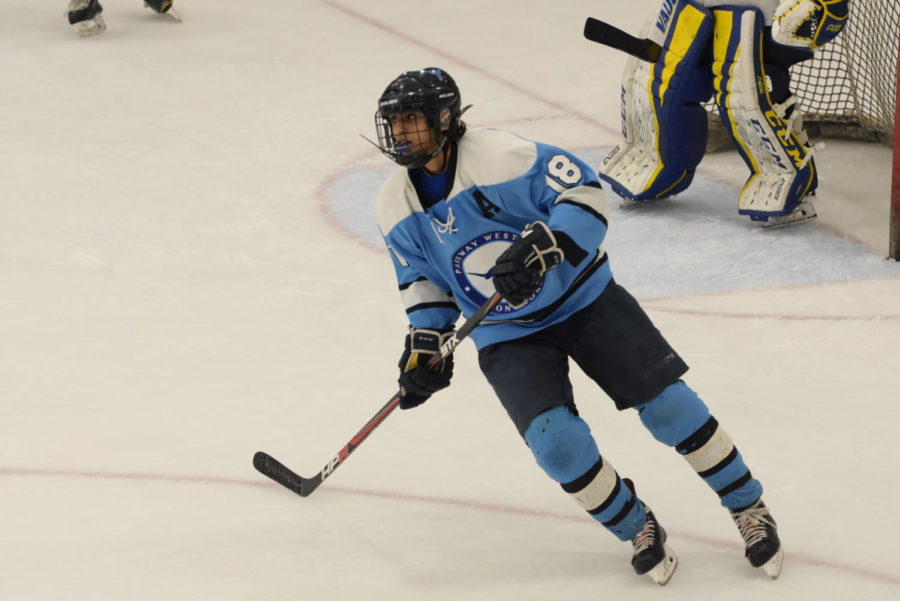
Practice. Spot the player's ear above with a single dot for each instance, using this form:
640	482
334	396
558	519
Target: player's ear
445	119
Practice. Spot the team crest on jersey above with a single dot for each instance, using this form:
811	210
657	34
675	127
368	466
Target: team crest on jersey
473	263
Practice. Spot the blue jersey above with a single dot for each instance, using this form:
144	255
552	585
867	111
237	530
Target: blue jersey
499	183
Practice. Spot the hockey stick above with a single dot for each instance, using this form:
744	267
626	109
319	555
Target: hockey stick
277	471
608	35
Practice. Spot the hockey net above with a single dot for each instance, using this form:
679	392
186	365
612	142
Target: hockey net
850	88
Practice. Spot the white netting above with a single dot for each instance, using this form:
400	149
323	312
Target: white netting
852	79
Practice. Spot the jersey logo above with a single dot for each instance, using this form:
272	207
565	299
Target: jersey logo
488	209
473	265
444	227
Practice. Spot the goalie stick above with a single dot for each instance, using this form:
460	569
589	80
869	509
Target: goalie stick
609	35
277	471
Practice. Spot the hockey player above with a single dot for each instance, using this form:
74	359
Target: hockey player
485	210
87	15
739	53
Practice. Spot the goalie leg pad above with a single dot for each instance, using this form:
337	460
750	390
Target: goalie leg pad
767	133
662	121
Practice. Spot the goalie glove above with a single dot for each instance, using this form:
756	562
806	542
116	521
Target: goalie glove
417	382
519	271
808	23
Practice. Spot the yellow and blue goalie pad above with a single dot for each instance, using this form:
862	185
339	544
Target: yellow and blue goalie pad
767	138
664	125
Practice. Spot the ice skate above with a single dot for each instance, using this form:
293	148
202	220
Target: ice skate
163	7
86	16
651	554
760	534
805	211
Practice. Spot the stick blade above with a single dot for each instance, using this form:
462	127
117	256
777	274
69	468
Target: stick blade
598	31
272	468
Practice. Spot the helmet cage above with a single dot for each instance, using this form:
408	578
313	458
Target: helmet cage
430	92
401	151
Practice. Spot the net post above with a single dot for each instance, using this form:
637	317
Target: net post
894	235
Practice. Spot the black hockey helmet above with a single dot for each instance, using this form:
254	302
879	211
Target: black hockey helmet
429	91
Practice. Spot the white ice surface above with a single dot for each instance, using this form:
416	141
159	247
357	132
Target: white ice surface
188	275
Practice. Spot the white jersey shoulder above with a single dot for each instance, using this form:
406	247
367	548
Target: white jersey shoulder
486	157
396	201
491	156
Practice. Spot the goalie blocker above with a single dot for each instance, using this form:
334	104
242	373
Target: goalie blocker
728	51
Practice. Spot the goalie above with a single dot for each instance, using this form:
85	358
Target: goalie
738	53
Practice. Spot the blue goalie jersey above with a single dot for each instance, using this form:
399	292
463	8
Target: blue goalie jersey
500	183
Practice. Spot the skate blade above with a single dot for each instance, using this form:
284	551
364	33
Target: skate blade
805	212
170	12
91	27
628	203
772	568
662	572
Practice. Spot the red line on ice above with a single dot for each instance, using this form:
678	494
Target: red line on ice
794	558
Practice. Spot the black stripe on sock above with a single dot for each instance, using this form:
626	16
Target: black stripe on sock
621	515
615	492
735	485
721	465
583	480
698	438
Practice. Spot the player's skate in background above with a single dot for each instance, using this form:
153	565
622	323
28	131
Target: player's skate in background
87	15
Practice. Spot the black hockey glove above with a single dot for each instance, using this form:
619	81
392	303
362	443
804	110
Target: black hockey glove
417	382
519	271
